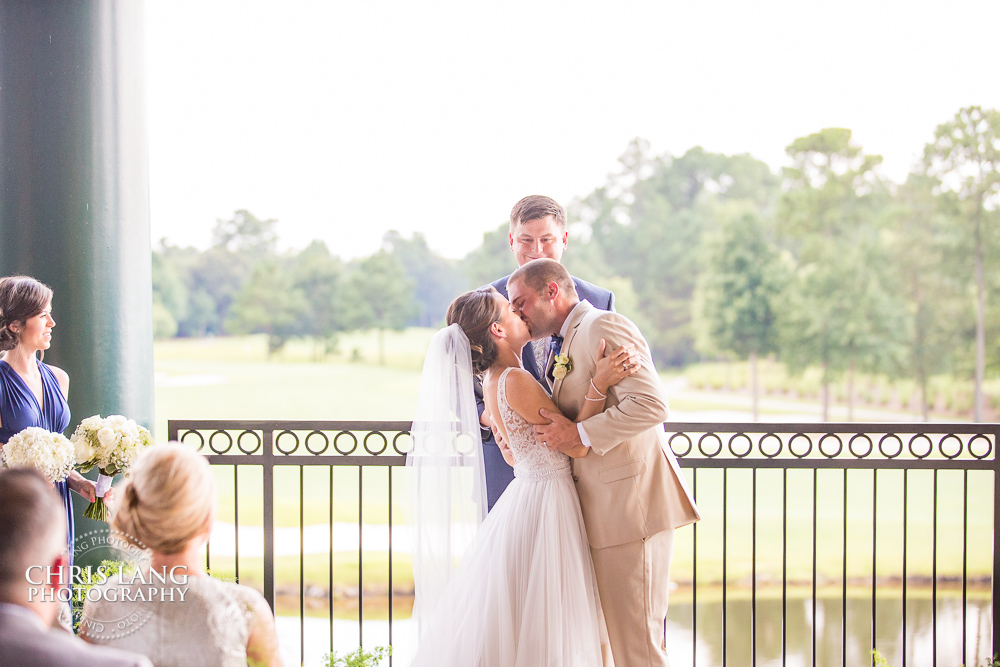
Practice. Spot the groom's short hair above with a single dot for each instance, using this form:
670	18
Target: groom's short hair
538	273
535	207
30	522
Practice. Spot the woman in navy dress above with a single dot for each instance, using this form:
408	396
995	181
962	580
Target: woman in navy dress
33	393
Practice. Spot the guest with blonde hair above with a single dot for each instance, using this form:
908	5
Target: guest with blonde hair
177	614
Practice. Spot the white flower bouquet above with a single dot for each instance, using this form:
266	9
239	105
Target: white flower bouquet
49	453
112	444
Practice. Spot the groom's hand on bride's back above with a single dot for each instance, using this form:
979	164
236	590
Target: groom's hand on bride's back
560	434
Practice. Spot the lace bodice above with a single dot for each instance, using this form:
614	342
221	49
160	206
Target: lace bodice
210	626
532	460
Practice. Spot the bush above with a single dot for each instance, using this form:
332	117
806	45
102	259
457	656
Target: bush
359	658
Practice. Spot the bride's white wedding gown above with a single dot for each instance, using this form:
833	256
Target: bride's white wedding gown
524	593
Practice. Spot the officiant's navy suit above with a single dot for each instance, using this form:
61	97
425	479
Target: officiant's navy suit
498	472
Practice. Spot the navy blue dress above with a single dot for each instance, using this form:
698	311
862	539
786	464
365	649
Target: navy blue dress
19	410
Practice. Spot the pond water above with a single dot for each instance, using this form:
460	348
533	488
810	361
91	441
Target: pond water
707	650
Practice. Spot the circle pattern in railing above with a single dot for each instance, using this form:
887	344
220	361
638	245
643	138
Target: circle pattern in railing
709	444
855	438
733	451
830	436
989	446
256	435
914	440
713	443
326	442
765	438
791	445
886	438
385	443
689	443
951	437
295	441
701	442
395	442
201	439
211	442
354	443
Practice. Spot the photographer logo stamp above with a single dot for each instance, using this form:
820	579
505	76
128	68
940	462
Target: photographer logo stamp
116	598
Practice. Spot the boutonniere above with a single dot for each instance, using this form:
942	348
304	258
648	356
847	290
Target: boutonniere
561	366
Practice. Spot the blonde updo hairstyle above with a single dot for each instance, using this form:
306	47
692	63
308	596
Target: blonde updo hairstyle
168	499
475	312
21	298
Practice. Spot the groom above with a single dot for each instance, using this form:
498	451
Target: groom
631	490
537	230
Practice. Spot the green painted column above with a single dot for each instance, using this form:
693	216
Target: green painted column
74	191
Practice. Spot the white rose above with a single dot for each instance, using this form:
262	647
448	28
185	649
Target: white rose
559	372
84	451
92	423
117	421
107	437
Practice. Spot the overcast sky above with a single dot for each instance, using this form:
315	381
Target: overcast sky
343	120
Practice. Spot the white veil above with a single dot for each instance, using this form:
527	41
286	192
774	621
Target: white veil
447	477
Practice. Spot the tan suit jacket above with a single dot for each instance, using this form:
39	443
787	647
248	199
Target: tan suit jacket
630	485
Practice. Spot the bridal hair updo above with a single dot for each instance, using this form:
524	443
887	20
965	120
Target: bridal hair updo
168	499
475	311
21	298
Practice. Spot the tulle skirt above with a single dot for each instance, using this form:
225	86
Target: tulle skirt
524	593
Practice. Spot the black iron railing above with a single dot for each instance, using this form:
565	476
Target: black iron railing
737	472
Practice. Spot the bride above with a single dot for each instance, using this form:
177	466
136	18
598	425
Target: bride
524	593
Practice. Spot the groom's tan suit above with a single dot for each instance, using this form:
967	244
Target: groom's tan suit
631	489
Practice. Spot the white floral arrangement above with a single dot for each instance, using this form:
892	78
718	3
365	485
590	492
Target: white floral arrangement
113	444
49	453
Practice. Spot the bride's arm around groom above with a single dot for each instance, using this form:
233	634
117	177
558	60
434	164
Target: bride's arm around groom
631	490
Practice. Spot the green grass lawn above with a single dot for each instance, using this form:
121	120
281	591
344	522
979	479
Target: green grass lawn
230	378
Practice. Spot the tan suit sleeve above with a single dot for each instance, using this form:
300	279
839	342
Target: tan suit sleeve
639	403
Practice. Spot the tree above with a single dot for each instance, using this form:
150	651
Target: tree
647	224
381	296
169	297
215	278
924	252
965	159
841	310
269	303
738	290
438	280
218	274
491	260
246	234
320	278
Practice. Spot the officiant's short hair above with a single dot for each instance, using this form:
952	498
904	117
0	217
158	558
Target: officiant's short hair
535	207
538	273
30	521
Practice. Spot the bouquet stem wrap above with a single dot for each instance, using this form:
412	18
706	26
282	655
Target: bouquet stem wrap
98	510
